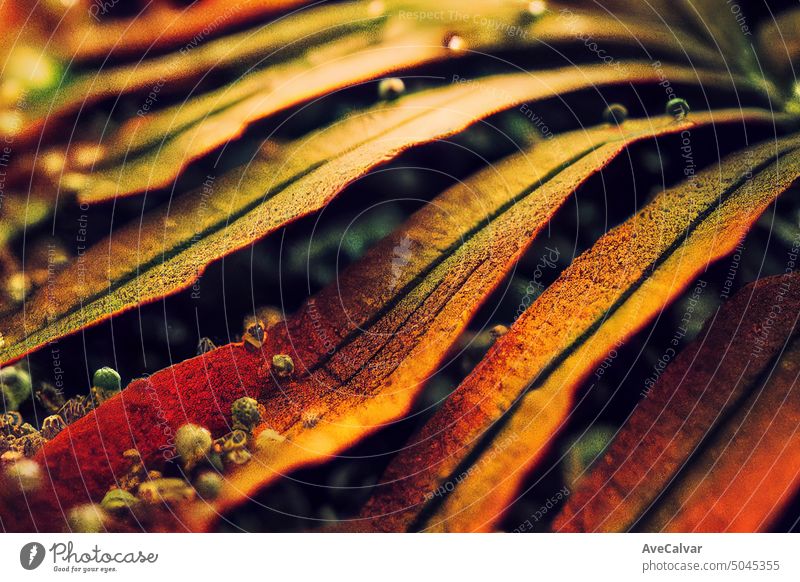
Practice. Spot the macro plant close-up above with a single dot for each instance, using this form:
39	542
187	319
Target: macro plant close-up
399	266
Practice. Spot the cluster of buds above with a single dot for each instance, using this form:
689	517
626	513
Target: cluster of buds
147	494
18	436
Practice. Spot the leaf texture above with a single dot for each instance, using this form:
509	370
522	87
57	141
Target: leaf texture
720	425
499	423
148	153
163	27
169	250
355	382
199	58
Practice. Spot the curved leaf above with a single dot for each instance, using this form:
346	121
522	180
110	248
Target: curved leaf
750	473
183	133
498	424
162	74
708	428
162	27
170	249
352	412
420	309
462	246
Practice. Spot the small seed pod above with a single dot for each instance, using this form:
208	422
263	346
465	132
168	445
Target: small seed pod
498	331
233	447
136	474
52	425
310	418
253	334
532	12
615	114
246	414
30	444
677	108
192	443
15	384
231	441
23	475
282	365
75	409
50	398
391	88
87	518
208	484
10	421
204	346
107	382
268	438
132	457
537	7
18	286
269	315
454	42
119	501
165	490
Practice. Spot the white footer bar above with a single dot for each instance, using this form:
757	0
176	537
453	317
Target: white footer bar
353	557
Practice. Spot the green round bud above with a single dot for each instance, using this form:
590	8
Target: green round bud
192	443
15	385
87	518
119	501
282	365
208	484
245	414
108	380
677	108
615	114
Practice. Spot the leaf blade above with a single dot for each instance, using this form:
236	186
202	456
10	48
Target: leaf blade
554	320
175	244
660	452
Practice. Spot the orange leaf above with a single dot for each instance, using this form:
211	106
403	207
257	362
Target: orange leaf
464	468
476	241
181	71
163	27
708	437
151	151
365	346
169	250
